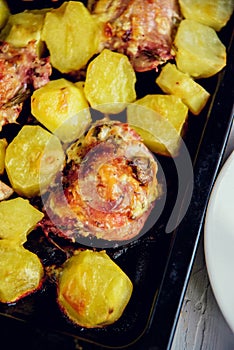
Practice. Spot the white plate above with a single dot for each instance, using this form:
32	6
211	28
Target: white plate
219	240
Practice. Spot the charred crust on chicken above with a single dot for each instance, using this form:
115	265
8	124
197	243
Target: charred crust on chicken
109	186
21	70
141	29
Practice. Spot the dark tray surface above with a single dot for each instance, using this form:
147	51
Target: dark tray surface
159	264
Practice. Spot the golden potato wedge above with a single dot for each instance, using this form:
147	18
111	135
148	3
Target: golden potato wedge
5	192
199	51
72	36
92	290
110	82
3	146
62	108
213	13
32	160
174	82
17	219
21	272
23	27
159	119
4	13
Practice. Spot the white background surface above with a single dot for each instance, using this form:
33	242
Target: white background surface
219	240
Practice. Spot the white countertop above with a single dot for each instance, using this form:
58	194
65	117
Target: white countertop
201	325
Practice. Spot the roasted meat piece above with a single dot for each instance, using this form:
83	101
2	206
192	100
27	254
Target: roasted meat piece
109	186
20	70
141	29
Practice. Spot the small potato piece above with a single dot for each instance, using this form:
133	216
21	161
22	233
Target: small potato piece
106	9
21	272
4	13
23	27
199	51
80	85
110	82
92	290
212	13
5	192
33	159
174	82
17	219
72	36
159	119
62	108
3	146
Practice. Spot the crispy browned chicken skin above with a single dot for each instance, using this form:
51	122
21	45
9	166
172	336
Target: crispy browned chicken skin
141	29
20	69
109	186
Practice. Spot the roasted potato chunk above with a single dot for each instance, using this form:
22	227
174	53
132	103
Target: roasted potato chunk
159	119
32	160
21	272
72	36
3	146
92	290
174	82
23	27
17	219
212	13
199	51
110	82
4	13
62	108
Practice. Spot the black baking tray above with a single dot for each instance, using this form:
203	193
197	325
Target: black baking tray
160	262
